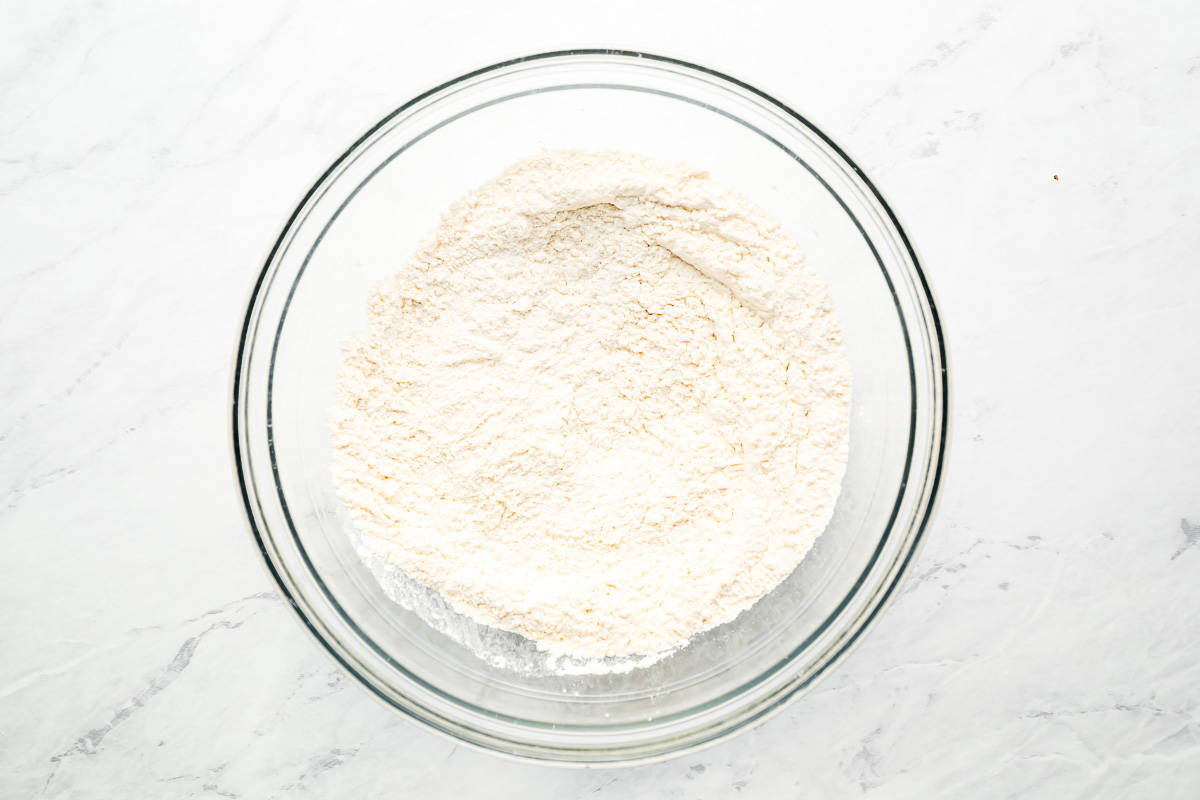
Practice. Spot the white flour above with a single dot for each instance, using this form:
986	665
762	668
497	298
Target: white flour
604	406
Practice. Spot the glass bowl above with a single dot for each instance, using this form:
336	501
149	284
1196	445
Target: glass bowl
358	224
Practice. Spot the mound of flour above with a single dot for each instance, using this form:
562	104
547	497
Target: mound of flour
604	406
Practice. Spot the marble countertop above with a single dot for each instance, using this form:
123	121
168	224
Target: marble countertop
1045	157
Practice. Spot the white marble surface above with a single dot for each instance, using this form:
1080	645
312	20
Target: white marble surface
1048	644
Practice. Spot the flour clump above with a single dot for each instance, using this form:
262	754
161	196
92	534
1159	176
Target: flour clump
605	405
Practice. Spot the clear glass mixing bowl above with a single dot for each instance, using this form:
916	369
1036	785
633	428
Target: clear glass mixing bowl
358	224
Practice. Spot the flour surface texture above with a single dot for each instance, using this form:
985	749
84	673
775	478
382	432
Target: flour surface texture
605	405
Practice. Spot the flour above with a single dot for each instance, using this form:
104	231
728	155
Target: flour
605	406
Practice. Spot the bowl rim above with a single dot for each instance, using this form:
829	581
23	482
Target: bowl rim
774	702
